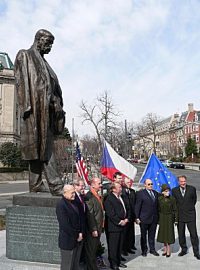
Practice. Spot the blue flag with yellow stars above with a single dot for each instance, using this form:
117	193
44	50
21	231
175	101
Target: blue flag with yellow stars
158	174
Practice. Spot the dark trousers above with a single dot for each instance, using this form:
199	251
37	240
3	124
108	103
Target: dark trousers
70	258
36	167
115	242
149	229
129	237
91	245
193	236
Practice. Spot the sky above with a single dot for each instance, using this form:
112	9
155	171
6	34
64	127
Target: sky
145	53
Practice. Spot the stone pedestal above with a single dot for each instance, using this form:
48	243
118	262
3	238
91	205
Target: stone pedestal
32	228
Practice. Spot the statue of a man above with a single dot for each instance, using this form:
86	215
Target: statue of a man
42	116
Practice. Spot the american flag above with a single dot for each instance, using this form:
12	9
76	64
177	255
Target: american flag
81	166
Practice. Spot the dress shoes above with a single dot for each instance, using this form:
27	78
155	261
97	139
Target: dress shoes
123	259
182	253
122	265
144	254
168	255
164	254
197	256
155	253
131	251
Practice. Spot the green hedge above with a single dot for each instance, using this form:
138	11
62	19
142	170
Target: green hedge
2	222
12	170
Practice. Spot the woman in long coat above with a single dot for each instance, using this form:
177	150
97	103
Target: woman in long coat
167	217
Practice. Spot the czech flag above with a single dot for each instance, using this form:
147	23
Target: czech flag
112	162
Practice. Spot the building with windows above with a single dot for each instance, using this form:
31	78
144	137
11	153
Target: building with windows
171	135
9	110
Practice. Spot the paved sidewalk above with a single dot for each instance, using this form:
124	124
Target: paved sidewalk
136	261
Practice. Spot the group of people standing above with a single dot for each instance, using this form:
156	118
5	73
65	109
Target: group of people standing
81	220
167	210
83	217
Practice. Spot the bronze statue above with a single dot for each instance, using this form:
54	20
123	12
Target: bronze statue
42	116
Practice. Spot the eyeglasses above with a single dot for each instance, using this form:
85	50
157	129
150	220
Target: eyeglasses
150	184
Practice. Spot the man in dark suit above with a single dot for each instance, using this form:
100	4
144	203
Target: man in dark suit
115	222
186	199
128	196
146	212
94	221
79	202
69	229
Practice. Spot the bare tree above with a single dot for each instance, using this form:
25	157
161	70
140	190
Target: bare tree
146	130
63	153
90	147
90	151
101	115
90	114
108	112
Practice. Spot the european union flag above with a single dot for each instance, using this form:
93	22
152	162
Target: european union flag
159	174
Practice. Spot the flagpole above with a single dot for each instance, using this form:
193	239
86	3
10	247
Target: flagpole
72	149
145	168
126	143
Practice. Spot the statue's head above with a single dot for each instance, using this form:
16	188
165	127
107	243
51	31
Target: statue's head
43	41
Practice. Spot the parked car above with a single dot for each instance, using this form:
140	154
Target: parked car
166	163
177	165
132	160
142	161
106	186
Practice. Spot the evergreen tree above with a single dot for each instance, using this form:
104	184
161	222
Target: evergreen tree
10	155
191	147
65	135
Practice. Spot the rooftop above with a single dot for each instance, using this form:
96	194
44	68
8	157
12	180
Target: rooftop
5	61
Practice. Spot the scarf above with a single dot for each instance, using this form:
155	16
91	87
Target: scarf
96	195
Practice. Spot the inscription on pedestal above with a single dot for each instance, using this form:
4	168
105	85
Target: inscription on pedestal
32	234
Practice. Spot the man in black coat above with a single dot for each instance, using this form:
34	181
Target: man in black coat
146	212
115	222
128	196
69	229
186	199
79	202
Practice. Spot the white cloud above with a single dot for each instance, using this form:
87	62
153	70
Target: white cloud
145	52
